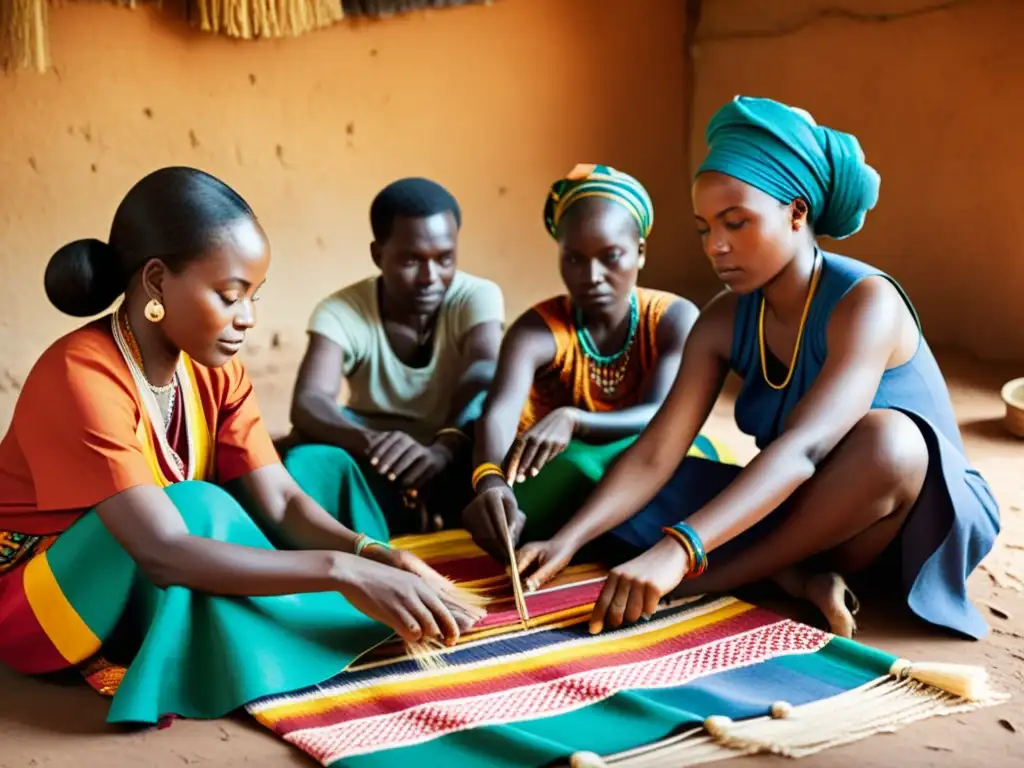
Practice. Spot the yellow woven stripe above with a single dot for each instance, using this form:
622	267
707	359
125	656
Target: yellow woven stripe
456	544
450	545
566	618
571	576
563	618
575	651
67	631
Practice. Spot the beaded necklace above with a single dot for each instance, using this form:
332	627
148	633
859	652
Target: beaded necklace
608	371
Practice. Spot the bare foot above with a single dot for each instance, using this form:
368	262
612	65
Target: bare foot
828	591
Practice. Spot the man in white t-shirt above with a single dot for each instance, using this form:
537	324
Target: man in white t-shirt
415	346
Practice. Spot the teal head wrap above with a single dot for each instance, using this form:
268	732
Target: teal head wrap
599	181
784	153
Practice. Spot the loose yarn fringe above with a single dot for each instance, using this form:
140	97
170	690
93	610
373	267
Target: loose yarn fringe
25	33
910	692
24	26
429	652
249	19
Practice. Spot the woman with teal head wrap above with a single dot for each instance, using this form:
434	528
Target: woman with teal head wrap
784	153
861	466
580	374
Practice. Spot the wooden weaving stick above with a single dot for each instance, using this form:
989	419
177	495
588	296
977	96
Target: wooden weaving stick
517	584
513	570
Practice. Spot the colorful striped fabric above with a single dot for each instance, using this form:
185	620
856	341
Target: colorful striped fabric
525	676
52	618
512	697
198	657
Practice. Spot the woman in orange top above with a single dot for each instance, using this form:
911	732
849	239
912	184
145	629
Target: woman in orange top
579	375
112	510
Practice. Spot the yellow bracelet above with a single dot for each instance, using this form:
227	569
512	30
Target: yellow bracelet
488	473
485	470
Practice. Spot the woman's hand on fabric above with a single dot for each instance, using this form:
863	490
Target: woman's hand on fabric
407	561
403	460
398	598
634	588
487	516
541	443
541	561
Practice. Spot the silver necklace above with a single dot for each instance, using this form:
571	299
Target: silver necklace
161	390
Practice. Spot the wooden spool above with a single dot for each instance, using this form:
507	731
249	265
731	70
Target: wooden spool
1013	396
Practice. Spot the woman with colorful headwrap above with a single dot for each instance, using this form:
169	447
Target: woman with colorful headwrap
861	461
579	375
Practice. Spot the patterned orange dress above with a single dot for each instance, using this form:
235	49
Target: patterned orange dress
569	380
574	380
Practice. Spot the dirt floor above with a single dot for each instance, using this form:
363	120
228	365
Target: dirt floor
62	726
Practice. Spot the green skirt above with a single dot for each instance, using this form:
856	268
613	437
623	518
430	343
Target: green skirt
563	485
190	654
443	497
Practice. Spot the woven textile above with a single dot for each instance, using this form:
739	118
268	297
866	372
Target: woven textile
512	697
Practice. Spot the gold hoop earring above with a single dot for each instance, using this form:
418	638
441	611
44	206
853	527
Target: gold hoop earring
154	311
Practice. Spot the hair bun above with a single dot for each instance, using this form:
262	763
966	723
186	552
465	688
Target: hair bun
83	278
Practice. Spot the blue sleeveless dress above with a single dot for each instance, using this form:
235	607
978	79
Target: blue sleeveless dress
956	519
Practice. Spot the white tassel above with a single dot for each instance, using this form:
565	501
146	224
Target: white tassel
962	680
718	726
587	760
911	692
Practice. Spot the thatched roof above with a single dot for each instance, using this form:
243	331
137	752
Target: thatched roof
24	27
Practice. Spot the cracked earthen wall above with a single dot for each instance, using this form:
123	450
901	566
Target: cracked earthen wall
495	102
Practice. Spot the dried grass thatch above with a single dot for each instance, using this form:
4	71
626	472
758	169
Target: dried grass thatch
23	25
24	31
250	19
